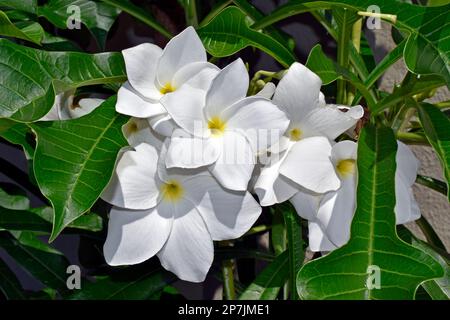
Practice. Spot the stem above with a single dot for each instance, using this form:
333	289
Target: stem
191	13
431	235
228	275
443	105
389	17
432	183
257	229
342	59
214	12
356	41
141	15
411	138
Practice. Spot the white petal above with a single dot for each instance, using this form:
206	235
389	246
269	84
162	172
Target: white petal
228	87
129	102
141	62
85	106
185	106
308	163
407	164
336	212
271	187
318	241
306	204
267	91
137	177
60	109
113	192
181	50
406	208
298	92
262	122
138	131
344	150
135	236
189	251
227	214
163	124
197	75
234	167
187	151
331	121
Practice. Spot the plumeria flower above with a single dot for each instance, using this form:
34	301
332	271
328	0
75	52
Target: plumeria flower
223	129
301	160
65	108
172	213
155	74
331	215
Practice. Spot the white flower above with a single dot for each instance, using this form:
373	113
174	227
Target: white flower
331	215
64	107
155	74
223	130
172	213
301	161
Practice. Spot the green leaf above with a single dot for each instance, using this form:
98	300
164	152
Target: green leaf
142	287
428	44
278	232
97	17
437	129
30	78
9	285
329	71
26	30
17	133
229	32
268	283
23	5
74	160
22	220
12	197
295	245
49	267
55	43
373	243
438	289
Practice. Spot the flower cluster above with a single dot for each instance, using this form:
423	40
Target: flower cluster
199	146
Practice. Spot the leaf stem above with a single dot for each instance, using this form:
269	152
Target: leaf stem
342	58
191	13
431	235
229	291
141	15
257	229
356	41
432	183
412	138
443	105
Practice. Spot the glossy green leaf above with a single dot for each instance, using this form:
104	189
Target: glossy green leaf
428	44
22	220
97	17
229	32
9	284
278	232
30	78
23	5
17	133
89	221
437	129
12	197
374	247
115	287
55	43
74	160
268	283
329	71
26	30
48	267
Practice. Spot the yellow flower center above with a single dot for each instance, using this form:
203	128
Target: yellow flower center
346	167
217	126
167	88
172	191
295	134
131	127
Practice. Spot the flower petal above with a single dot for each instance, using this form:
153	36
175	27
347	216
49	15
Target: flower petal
137	178
308	163
344	150
189	250
407	164
163	124
262	122
141	62
229	86
271	187
197	75
85	106
184	48
234	167
129	102
306	204
406	208
138	131
336	212
318	241
187	151
267	91
135	236
185	106
331	121
60	109
227	214
298	92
